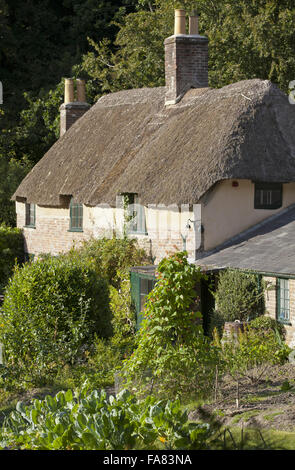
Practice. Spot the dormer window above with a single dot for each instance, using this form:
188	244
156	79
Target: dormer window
30	218
268	196
76	217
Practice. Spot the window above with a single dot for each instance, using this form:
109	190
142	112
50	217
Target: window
283	300
29	257
268	195
30	215
141	286
135	214
76	217
146	285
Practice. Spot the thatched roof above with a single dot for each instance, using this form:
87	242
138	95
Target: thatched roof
130	142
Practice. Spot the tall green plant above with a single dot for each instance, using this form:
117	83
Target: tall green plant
173	357
123	316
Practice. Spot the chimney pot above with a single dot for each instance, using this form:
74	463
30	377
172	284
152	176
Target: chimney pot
179	22
71	110
81	93
186	59
193	24
69	90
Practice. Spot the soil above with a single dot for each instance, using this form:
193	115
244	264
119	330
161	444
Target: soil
267	402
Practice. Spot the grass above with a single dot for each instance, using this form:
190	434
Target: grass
271	416
245	416
253	439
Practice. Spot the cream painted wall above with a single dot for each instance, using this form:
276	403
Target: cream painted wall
228	210
167	229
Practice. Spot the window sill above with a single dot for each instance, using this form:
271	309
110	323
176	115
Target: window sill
75	230
30	226
284	322
268	208
137	233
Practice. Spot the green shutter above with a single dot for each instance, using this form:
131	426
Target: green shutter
135	294
138	292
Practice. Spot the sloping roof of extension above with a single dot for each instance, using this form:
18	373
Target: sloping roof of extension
130	142
268	247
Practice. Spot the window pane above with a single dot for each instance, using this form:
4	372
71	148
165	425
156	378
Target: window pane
283	310
146	285
30	214
76	216
268	196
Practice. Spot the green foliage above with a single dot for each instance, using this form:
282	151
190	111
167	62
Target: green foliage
12	172
51	312
91	421
247	40
111	255
216	322
286	386
238	295
172	356
104	358
99	366
267	323
11	251
123	316
250	352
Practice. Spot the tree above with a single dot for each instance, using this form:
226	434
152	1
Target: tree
247	40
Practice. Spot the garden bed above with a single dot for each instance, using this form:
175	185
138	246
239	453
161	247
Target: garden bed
266	404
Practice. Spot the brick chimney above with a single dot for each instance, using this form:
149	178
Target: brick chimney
71	110
186	58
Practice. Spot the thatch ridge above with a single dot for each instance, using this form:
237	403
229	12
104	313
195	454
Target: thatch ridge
130	142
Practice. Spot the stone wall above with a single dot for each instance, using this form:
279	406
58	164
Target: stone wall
271	306
51	234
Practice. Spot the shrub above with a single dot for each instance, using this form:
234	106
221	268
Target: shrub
238	296
113	255
104	359
172	357
11	250
91	421
52	310
98	367
266	324
250	353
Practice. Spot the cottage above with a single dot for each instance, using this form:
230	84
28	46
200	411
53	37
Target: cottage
267	250
179	167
